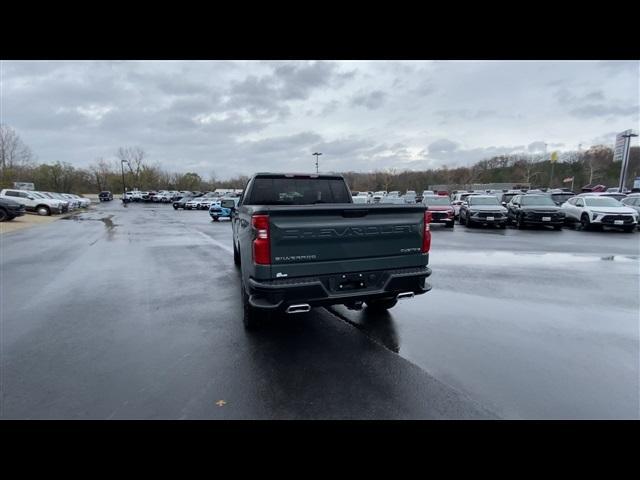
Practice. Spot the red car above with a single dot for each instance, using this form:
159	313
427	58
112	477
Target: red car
440	208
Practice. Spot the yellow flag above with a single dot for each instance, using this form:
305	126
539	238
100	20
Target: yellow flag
554	157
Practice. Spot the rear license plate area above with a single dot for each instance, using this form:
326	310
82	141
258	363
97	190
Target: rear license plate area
348	282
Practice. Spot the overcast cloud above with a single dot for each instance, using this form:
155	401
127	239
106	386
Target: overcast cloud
240	117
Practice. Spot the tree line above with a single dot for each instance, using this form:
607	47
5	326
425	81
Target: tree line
591	166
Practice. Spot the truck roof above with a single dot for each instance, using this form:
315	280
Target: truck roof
299	174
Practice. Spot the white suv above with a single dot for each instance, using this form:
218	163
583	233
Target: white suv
199	203
600	211
34	201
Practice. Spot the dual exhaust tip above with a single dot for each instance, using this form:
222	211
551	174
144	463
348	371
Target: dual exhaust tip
300	308
305	307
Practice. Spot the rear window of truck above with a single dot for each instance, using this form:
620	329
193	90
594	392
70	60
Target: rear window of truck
298	191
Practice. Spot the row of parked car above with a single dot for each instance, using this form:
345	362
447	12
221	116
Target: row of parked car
42	203
169	196
218	206
554	209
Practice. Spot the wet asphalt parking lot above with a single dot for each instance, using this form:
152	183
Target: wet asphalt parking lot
134	313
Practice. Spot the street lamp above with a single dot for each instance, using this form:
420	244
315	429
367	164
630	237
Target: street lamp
317	155
122	162
625	159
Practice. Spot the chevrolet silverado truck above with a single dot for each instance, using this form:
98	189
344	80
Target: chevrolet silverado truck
301	242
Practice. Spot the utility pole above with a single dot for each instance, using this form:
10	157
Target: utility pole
124	188
625	161
317	155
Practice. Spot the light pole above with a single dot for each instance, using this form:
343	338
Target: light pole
317	155
625	160
124	188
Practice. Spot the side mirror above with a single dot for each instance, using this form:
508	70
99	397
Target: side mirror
504	204
30	197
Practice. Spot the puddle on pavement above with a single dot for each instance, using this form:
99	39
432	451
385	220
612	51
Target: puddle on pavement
108	223
522	258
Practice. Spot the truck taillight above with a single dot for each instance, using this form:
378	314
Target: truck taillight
261	244
426	239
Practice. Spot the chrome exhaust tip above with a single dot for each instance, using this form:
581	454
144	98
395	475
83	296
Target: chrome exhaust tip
402	296
301	308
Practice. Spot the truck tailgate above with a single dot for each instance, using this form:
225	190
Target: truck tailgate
344	233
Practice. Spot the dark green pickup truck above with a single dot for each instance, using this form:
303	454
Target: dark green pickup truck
301	242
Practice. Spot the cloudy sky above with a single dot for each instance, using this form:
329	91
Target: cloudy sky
232	118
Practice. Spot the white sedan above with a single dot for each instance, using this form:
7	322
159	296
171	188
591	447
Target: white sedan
600	211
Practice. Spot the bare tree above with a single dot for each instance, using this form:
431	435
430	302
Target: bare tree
13	151
135	157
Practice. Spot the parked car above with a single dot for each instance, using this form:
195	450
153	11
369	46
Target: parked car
139	196
559	196
295	253
163	197
361	198
84	202
594	188
508	195
66	205
533	209
617	196
633	201
34	201
458	199
598	210
10	209
441	209
223	209
378	196
105	196
181	202
483	210
73	203
198	203
410	197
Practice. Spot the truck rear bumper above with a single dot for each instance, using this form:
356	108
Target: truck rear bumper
337	289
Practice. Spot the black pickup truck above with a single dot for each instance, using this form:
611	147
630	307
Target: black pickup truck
301	242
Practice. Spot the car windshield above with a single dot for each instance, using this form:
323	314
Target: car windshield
298	191
536	200
601	202
562	197
436	201
483	201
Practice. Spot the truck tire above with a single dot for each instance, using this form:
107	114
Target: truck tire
236	256
252	317
519	223
43	210
4	216
381	304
